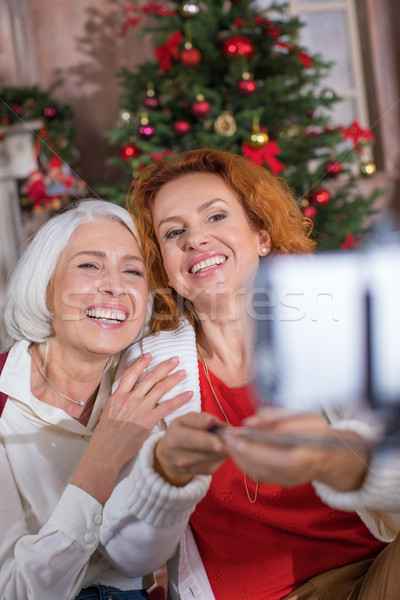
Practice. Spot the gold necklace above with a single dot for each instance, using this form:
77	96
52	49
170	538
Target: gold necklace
78	402
203	362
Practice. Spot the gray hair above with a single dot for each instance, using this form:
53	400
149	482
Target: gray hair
25	315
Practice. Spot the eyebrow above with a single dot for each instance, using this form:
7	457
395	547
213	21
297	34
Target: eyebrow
101	254
200	209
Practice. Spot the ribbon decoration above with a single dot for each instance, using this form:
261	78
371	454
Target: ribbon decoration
266	154
357	134
169	51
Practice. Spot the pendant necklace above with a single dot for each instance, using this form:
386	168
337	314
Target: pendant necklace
206	372
79	403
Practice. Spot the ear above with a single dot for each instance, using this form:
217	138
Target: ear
264	242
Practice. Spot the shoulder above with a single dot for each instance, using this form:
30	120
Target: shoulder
164	344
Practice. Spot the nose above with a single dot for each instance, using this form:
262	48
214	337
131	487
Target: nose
196	238
110	284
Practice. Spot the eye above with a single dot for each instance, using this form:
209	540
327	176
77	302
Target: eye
88	266
217	217
134	272
173	233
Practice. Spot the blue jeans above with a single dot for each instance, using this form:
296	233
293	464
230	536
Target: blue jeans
103	592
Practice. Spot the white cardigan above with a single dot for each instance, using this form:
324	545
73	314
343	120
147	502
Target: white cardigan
146	518
49	529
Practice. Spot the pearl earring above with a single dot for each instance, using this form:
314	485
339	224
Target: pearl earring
263	250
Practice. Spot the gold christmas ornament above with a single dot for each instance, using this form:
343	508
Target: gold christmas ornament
258	138
225	124
367	168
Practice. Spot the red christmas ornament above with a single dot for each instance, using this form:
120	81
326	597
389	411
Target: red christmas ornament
50	112
333	168
247	87
129	152
200	108
146	131
320	196
310	212
182	127
190	57
238	45
151	102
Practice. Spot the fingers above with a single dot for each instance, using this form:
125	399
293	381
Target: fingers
132	373
130	378
169	406
157	375
158	390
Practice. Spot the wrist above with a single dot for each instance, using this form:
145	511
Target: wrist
171	476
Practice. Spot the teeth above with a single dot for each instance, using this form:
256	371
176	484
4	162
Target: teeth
207	264
107	316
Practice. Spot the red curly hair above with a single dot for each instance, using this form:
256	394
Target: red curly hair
266	199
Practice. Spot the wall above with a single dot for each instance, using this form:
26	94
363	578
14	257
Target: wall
74	50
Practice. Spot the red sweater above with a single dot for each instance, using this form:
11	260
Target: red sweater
265	550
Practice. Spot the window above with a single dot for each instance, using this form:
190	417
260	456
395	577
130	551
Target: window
330	28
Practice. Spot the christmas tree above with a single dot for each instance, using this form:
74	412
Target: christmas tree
232	76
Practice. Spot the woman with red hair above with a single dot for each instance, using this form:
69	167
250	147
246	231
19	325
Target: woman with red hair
205	220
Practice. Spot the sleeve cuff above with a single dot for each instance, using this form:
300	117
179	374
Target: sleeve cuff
156	501
380	490
79	516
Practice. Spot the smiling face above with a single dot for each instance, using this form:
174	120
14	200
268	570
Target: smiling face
209	248
98	292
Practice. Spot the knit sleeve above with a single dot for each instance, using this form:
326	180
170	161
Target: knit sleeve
145	516
377	501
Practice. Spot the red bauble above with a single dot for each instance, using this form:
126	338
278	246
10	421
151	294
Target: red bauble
201	108
151	102
50	112
247	87
129	152
190	57
238	45
333	168
310	212
182	127
146	131
320	196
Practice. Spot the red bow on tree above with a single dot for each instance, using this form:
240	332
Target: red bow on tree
169	51
265	154
357	134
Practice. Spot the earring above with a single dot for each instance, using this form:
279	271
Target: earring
263	250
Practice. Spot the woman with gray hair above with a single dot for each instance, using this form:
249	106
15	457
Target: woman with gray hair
76	300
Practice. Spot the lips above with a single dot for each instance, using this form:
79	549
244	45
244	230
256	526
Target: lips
207	264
